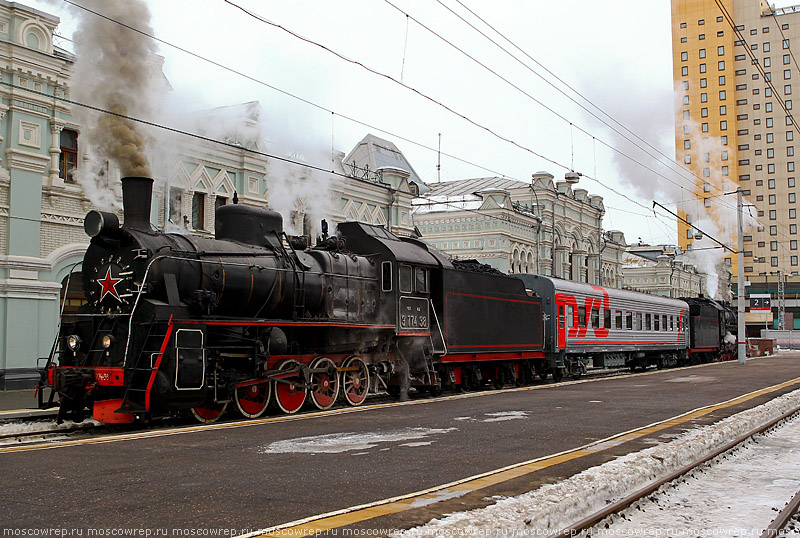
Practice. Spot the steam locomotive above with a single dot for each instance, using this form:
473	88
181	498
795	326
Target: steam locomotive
176	323
189	324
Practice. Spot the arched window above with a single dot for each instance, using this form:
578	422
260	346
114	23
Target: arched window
68	161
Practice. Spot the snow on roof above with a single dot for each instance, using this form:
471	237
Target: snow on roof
432	204
463	187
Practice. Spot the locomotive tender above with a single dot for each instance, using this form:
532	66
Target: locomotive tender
177	323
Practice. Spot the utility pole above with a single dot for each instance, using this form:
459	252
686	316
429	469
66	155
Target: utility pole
740	277
781	298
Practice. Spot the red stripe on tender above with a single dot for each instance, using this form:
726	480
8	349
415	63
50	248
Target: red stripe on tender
289	324
492	298
469	357
492	345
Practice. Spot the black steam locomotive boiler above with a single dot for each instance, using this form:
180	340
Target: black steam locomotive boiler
184	323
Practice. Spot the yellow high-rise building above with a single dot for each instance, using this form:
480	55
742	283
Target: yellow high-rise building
735	77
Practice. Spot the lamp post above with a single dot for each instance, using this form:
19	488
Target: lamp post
781	297
766	291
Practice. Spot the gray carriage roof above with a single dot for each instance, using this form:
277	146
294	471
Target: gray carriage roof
535	282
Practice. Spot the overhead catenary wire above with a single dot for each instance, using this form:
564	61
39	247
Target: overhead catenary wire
284	92
767	79
308	102
388	77
315	105
670	161
451	110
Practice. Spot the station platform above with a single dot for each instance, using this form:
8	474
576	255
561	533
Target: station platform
378	466
12	400
20	404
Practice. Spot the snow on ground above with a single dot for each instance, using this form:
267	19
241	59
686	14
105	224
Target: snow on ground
739	495
552	507
48	426
344	442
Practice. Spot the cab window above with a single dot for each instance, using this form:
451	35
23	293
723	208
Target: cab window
386	276
405	278
422	280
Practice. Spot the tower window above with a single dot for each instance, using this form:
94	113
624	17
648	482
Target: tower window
68	161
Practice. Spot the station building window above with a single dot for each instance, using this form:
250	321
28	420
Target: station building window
68	161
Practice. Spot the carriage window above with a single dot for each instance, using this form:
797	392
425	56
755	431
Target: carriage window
405	278
637	321
655	322
672	323
386	276
570	315
422	280
663	322
595	318
618	324
581	316
647	322
607	319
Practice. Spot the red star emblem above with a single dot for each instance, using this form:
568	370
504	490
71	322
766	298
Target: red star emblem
109	285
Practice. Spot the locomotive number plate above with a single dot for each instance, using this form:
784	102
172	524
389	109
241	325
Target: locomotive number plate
413	313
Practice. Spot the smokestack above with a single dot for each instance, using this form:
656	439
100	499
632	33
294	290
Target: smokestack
137	193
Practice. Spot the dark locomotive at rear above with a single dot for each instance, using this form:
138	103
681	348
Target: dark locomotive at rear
252	317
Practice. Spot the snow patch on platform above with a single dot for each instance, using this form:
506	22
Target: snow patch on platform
554	506
507	415
344	442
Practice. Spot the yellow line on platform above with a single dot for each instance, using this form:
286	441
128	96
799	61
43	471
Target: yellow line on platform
325	522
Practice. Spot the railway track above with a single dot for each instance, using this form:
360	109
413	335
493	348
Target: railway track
37	436
787	519
605	516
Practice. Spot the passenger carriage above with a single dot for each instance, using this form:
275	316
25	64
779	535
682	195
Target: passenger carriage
610	327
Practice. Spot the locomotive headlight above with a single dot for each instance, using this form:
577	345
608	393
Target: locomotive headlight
106	341
73	342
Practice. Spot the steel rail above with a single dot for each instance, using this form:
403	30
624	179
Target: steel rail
620	505
782	519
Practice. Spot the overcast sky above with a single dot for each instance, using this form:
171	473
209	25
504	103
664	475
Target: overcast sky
620	59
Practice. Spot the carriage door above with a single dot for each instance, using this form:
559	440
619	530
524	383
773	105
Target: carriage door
562	327
685	327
